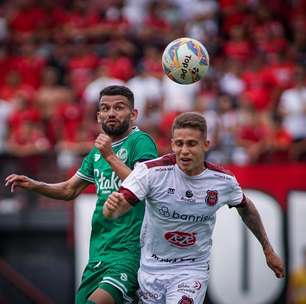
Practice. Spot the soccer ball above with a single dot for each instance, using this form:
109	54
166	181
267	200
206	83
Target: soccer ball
185	60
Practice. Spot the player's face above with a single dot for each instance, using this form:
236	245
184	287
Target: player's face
189	146
115	115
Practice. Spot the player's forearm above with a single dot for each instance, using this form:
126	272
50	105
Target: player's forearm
252	220
57	191
120	168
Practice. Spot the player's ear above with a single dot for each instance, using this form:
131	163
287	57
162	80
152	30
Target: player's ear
172	145
134	115
206	145
98	117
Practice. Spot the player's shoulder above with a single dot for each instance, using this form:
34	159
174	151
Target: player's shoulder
216	168
137	134
164	161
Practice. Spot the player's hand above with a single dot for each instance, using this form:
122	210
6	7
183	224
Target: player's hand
21	181
104	143
275	263
115	205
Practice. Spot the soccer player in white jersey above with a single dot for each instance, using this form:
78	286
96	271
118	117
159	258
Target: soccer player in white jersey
183	193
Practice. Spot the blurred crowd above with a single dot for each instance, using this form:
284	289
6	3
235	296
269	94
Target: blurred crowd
56	56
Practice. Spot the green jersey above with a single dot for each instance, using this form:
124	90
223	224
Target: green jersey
120	235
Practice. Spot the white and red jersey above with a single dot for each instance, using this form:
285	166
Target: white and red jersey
180	212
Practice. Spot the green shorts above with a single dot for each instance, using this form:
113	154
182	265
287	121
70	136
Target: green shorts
118	277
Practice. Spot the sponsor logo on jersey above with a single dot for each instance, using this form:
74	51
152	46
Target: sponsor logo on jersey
196	285
180	238
146	295
189	194
122	154
185	300
185	288
97	156
106	184
172	260
171	191
165	212
163	169
211	197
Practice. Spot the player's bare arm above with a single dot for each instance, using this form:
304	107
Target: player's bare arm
104	143
116	205
66	190
251	218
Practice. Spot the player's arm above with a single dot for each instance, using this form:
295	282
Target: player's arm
66	190
134	189
144	149
252	220
104	143
116	205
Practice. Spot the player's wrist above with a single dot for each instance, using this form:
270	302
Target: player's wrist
267	249
110	157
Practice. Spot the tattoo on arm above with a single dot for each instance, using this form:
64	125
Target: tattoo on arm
252	220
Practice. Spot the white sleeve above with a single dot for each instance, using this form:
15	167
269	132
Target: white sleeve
138	181
236	194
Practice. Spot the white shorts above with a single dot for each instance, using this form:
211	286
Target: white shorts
172	289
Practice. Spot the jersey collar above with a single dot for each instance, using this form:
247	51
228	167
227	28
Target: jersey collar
116	143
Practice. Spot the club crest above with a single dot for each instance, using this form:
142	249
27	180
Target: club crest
211	197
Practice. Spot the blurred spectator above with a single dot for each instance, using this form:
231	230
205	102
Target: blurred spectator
203	22
25	20
252	136
151	61
50	94
148	97
179	97
227	130
278	145
28	143
231	82
118	64
238	47
259	84
12	85
28	63
81	65
156	28
292	108
5	111
23	110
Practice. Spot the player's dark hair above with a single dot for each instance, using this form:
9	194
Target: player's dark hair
190	120
118	90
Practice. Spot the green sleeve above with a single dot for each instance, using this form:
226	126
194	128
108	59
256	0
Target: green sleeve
86	171
144	148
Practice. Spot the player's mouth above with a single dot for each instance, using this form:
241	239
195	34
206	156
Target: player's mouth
185	161
112	122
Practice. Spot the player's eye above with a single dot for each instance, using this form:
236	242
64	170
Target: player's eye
119	108
104	108
192	143
179	143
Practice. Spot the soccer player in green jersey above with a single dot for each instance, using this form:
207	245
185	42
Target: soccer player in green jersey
110	276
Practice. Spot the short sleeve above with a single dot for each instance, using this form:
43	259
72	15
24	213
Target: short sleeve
138	181
86	171
236	194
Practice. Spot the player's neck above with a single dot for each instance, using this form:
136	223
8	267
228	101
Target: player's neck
116	138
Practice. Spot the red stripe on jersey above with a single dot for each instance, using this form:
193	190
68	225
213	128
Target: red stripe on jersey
166	160
217	168
129	196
